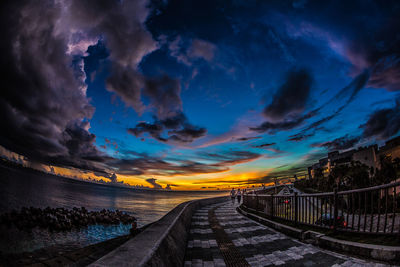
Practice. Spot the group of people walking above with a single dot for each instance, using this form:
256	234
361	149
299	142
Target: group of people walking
237	194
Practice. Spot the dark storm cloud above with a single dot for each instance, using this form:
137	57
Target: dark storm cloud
264	145
248	138
291	97
198	49
230	158
269	147
128	41
121	24
164	93
382	124
121	27
147	165
366	35
170	124
287	124
154	183
300	137
43	98
43	101
351	90
274	127
79	142
341	143
169	186
113	178
187	134
155	166
379	50
174	122
96	53
127	84
348	93
176	129
154	130
285	111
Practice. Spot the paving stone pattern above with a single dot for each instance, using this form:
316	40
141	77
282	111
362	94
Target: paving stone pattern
220	236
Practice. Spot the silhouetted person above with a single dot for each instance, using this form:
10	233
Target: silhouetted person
239	196
233	195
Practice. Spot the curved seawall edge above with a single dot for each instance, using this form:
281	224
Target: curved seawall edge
161	244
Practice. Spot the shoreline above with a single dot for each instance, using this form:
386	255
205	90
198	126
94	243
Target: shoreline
40	190
62	219
59	255
64	254
59	231
9	164
22	187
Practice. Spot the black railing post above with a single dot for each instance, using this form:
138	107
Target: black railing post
335	208
296	208
272	207
256	202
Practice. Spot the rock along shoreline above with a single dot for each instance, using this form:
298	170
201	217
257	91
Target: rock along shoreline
61	219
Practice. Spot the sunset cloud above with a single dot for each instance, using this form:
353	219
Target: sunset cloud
182	94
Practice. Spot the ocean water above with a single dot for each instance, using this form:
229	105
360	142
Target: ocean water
24	188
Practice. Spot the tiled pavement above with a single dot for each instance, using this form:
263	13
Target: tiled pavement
254	244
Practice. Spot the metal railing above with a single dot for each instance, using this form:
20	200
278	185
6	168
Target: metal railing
264	190
368	210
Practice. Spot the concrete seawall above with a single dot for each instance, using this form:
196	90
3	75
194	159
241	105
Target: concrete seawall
161	244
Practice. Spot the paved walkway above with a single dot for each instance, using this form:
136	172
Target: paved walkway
220	236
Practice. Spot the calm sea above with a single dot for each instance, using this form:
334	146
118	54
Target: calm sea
22	188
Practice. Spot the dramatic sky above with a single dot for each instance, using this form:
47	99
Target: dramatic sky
196	94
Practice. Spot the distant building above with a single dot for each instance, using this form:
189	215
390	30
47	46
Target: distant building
310	171
344	158
325	166
391	148
313	169
369	155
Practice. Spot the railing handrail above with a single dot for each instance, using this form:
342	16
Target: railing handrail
364	210
360	190
372	188
262	189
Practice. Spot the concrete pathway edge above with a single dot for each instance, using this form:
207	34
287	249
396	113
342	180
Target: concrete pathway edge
161	244
376	252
